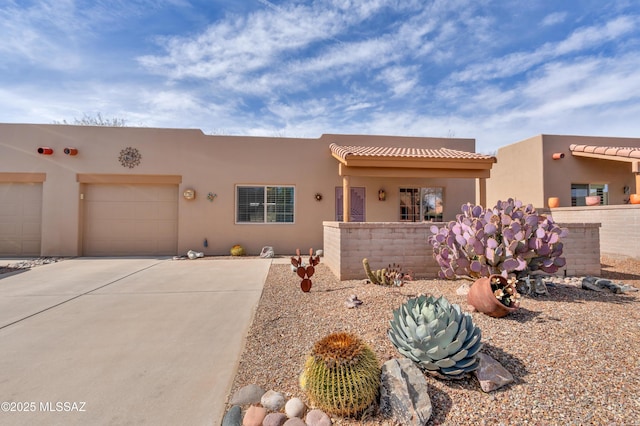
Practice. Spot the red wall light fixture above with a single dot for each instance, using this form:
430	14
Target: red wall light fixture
45	150
71	151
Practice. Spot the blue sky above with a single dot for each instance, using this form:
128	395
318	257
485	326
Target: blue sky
497	71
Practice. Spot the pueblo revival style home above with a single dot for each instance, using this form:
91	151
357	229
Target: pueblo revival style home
111	191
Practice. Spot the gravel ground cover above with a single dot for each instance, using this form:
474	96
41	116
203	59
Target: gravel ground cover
575	354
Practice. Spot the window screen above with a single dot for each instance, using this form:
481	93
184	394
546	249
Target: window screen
265	204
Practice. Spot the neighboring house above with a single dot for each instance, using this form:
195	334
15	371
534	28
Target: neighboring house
110	191
568	167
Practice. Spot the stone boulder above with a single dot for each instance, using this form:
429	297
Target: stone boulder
491	374
272	400
233	417
247	395
404	392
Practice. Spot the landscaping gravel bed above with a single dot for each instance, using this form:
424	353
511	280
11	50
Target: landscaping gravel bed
574	354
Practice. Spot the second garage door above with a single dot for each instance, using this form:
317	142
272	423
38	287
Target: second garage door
130	220
20	217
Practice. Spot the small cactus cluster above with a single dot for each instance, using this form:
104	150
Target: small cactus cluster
341	375
392	275
509	239
440	338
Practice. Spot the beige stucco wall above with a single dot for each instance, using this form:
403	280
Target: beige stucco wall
518	173
210	164
527	171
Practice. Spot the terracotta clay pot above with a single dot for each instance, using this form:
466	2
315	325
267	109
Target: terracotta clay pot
482	298
634	198
553	202
592	200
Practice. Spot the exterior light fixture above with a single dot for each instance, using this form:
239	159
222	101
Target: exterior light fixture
45	150
189	194
382	196
71	151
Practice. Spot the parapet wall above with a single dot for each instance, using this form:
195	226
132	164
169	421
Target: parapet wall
347	243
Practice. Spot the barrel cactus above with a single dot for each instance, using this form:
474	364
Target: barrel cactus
437	335
508	239
341	375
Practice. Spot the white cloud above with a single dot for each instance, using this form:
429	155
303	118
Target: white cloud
519	62
554	19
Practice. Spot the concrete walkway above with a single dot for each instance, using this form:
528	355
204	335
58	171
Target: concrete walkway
106	341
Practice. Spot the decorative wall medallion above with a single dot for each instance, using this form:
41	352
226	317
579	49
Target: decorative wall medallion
130	157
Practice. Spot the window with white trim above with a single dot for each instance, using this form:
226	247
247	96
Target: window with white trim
264	204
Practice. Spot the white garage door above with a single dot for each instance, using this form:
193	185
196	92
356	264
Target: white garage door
130	220
20	219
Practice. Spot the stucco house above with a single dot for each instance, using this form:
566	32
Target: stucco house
110	191
567	167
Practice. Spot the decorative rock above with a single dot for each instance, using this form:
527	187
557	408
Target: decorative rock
317	418
491	374
249	394
589	283
272	401
353	301
267	252
254	416
233	416
463	290
404	392
274	419
295	408
295	422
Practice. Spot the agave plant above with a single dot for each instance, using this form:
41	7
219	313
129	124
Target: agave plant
508	239
436	335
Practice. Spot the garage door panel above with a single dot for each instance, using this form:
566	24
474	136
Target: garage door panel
20	219
130	220
32	230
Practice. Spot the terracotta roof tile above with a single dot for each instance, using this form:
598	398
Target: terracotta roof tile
609	151
386	151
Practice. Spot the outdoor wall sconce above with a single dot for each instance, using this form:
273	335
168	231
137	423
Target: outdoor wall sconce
318	196
71	151
189	194
45	150
382	195
558	155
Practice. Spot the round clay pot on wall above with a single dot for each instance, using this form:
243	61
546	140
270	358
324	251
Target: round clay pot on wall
634	198
592	200
553	202
482	298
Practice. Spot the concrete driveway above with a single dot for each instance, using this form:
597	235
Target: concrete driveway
117	341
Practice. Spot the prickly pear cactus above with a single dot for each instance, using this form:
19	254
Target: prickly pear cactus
510	238
341	375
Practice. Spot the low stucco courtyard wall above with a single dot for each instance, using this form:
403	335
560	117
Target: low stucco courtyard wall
620	226
383	243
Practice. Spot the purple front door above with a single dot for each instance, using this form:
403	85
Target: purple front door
357	204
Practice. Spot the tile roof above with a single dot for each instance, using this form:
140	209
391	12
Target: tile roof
395	152
609	151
